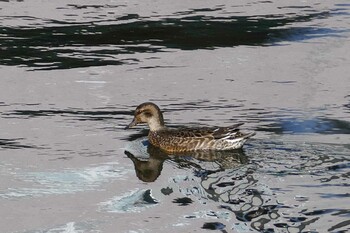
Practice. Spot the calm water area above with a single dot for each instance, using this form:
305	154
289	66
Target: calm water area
72	73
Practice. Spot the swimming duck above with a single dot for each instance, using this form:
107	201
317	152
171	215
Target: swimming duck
187	139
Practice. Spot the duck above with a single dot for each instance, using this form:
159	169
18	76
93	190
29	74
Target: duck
178	140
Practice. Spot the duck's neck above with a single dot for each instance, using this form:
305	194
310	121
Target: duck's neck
156	123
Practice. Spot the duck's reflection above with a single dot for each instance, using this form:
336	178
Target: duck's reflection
149	168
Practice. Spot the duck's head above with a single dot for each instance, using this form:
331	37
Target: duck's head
148	113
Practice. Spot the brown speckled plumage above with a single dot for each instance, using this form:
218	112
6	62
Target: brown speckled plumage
187	139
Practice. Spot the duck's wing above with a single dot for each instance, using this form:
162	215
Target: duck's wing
207	132
228	132
231	133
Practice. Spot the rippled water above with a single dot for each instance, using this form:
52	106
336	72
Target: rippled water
72	72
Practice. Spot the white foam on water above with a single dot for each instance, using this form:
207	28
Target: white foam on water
66	181
131	202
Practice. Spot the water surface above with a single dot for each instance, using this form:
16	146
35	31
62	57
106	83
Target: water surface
72	74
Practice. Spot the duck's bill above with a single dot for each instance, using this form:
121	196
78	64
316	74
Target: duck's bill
132	124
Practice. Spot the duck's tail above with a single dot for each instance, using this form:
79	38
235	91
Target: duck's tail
247	135
237	141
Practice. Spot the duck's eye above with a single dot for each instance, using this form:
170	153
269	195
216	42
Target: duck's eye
147	114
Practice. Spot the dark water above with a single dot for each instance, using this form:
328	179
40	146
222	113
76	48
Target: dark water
60	44
73	72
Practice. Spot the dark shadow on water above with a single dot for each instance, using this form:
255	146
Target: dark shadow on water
140	133
183	201
214	226
71	113
14	143
72	45
312	125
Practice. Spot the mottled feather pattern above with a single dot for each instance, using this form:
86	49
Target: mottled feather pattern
187	139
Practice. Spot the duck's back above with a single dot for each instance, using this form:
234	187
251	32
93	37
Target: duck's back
178	140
